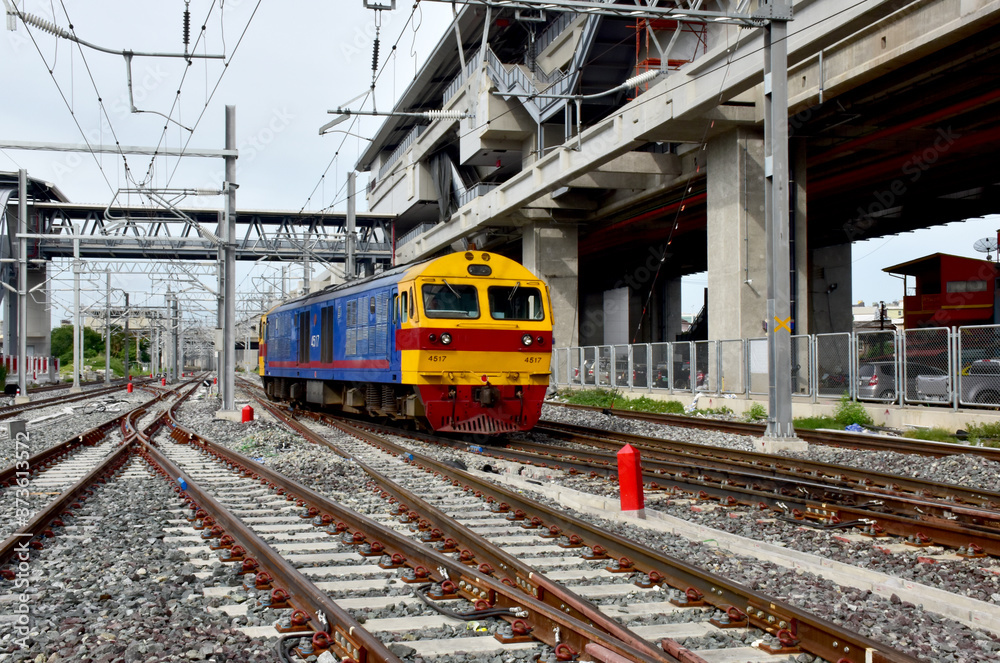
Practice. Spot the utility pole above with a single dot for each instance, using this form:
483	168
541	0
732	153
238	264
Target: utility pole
780	434
107	331
350	268
22	286
128	373
77	348
228	379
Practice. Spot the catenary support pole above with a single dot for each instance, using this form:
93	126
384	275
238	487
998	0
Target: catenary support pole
776	200
77	336
22	284
229	319
350	266
107	330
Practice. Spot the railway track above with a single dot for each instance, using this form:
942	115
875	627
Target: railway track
510	515
832	438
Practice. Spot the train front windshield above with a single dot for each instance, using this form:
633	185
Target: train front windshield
450	301
515	303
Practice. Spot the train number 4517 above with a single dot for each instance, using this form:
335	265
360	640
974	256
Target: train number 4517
532	360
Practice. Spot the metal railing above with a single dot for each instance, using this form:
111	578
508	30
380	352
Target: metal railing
400	149
928	366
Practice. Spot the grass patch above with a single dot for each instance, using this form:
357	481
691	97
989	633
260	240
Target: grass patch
984	435
604	398
932	435
812	423
714	412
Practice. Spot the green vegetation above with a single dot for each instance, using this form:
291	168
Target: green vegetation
604	398
721	411
757	412
931	435
812	423
984	435
93	350
850	412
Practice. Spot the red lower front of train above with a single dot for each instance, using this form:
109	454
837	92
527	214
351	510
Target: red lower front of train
487	409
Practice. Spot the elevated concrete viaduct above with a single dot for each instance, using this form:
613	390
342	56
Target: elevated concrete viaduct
892	123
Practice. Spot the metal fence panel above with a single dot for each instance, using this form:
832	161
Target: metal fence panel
757	365
833	365
574	366
640	366
979	365
733	363
681	372
661	365
589	369
604	366
705	366
801	360
927	365
877	366
560	366
621	372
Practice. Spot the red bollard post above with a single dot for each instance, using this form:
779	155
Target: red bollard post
129	387
247	413
215	380
163	382
630	479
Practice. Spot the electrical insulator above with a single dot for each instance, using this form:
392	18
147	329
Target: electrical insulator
187	27
375	56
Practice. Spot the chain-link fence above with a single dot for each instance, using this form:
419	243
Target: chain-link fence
604	366
927	362
660	364
801	365
979	365
833	365
732	363
927	366
878	379
757	365
705	366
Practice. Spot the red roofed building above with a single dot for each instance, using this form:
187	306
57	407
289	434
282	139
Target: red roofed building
950	291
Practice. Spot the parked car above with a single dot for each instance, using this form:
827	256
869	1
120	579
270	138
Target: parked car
877	379
980	384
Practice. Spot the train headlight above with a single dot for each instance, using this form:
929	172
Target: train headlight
526	340
432	337
446	338
541	340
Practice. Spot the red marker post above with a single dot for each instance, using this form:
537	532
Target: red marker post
247	414
630	479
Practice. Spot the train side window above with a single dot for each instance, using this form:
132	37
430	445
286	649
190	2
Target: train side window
403	310
304	337
326	335
395	309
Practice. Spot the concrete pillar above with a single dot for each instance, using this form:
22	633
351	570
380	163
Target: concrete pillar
830	298
552	253
39	319
737	269
671	310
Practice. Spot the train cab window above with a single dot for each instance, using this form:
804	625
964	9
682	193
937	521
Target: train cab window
450	301
515	303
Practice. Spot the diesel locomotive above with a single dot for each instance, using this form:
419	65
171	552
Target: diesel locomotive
460	343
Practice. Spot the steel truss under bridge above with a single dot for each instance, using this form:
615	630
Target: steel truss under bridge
191	234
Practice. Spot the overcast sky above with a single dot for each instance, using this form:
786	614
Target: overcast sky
294	62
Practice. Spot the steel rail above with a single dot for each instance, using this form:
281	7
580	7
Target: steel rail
344	633
32	533
515	572
805	483
827	437
821	512
836	475
816	635
551	626
11	410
